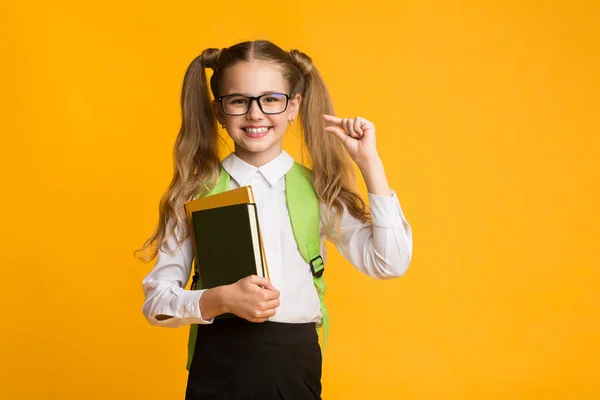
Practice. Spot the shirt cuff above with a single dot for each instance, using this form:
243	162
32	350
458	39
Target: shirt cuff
190	307
386	211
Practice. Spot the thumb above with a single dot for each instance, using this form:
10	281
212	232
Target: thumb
338	132
262	282
269	286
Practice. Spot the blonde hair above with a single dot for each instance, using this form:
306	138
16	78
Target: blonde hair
196	160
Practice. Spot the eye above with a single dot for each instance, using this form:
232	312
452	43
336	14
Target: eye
272	99
236	100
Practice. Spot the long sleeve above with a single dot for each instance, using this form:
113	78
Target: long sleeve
381	249
165	296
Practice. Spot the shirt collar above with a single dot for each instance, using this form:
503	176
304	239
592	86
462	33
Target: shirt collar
273	171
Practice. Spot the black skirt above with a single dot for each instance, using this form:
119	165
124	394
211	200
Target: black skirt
237	359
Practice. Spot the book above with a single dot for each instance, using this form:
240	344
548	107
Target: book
226	238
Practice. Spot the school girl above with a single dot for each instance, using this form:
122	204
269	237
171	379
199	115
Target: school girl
271	349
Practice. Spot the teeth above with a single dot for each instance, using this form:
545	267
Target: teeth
256	130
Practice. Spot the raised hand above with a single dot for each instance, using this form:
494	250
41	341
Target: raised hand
357	135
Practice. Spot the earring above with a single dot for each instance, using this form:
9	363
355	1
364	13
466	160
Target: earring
291	121
223	126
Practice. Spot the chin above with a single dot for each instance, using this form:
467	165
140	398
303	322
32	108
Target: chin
259	148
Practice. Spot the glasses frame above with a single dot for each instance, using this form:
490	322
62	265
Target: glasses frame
251	99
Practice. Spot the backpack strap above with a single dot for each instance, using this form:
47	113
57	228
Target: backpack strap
304	209
221	186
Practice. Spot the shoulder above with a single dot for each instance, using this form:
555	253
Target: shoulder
303	169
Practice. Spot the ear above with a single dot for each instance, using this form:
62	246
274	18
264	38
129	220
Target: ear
218	112
294	105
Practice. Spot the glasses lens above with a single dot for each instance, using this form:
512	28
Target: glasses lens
273	103
236	105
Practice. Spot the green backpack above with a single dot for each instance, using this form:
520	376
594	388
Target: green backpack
304	210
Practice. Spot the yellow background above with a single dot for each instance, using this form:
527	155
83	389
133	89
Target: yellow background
487	121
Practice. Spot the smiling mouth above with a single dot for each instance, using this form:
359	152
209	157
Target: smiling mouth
256	131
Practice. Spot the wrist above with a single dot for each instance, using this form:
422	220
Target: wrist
374	175
369	164
223	299
213	303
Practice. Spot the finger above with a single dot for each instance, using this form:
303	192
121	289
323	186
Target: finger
358	122
339	133
349	128
365	123
260	281
262	315
269	294
257	320
269	313
271	304
269	286
333	119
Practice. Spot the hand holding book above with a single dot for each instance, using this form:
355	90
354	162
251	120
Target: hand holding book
253	298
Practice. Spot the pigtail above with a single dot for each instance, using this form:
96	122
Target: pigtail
196	163
333	171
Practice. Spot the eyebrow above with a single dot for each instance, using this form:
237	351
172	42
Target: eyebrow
247	95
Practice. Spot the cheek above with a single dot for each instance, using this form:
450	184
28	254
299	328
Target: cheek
280	119
231	120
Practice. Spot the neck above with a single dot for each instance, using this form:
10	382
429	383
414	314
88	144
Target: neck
257	159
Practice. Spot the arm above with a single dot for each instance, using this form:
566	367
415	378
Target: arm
166	302
383	248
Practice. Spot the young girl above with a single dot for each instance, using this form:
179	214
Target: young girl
271	350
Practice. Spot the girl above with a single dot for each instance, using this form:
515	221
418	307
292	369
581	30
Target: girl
271	351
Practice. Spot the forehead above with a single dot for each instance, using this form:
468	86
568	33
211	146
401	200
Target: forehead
253	78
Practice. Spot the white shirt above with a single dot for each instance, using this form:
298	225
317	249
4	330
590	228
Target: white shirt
381	249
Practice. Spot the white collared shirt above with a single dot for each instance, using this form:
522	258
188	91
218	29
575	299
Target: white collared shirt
381	249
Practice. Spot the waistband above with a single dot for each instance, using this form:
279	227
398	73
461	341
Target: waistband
269	332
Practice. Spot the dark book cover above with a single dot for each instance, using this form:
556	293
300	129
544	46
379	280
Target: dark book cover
228	244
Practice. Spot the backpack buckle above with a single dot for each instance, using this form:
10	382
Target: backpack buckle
317	266
195	279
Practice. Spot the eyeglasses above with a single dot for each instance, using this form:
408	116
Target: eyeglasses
270	103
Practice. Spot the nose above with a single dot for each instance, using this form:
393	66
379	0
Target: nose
254	112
